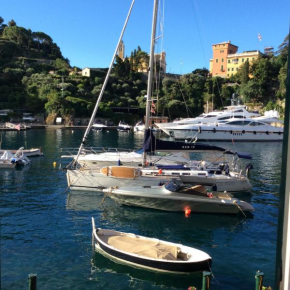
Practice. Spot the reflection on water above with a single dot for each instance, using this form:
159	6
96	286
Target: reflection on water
40	217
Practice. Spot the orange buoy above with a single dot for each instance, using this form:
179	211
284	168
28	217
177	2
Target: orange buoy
187	212
160	171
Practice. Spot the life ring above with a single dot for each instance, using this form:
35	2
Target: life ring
137	173
160	171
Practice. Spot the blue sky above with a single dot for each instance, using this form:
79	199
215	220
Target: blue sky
87	31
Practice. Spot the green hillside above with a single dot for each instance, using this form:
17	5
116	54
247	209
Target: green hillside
35	77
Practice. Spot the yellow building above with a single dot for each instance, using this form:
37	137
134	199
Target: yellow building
121	50
226	61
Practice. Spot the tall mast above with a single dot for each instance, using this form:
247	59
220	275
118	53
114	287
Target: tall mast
150	72
103	88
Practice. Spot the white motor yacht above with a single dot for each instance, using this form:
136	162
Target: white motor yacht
234	129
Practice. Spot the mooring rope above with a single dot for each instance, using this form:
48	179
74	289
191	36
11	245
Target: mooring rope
235	202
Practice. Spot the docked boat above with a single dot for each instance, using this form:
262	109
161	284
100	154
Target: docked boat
5	160
97	179
130	158
9	160
235	129
98	126
26	152
123	127
149	253
139	127
175	196
19	158
235	110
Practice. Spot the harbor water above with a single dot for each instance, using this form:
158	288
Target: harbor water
46	229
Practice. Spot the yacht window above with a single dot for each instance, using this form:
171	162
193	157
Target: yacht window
240	117
239	123
224	118
238	111
209	116
256	124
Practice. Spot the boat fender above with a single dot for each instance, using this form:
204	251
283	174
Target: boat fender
279	133
199	129
227	169
249	166
231	132
243	131
160	171
214	130
209	193
255	132
267	133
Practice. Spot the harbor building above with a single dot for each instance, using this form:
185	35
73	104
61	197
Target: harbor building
226	61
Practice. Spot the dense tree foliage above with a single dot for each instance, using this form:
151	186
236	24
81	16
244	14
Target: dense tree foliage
35	77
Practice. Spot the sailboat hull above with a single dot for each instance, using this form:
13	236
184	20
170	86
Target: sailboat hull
94	180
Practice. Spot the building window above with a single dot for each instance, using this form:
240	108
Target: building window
222	51
222	60
242	60
216	60
222	68
228	75
229	61
229	69
237	69
232	69
253	58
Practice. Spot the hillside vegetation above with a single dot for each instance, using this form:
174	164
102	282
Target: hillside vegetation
36	78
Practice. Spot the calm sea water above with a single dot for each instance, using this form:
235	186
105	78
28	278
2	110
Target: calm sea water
46	229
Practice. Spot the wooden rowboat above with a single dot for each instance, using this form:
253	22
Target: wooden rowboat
149	253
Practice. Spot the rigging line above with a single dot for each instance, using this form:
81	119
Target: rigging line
199	35
187	110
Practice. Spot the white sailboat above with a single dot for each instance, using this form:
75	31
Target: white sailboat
96	178
173	196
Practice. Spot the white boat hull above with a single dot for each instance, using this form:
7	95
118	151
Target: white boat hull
94	180
220	134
